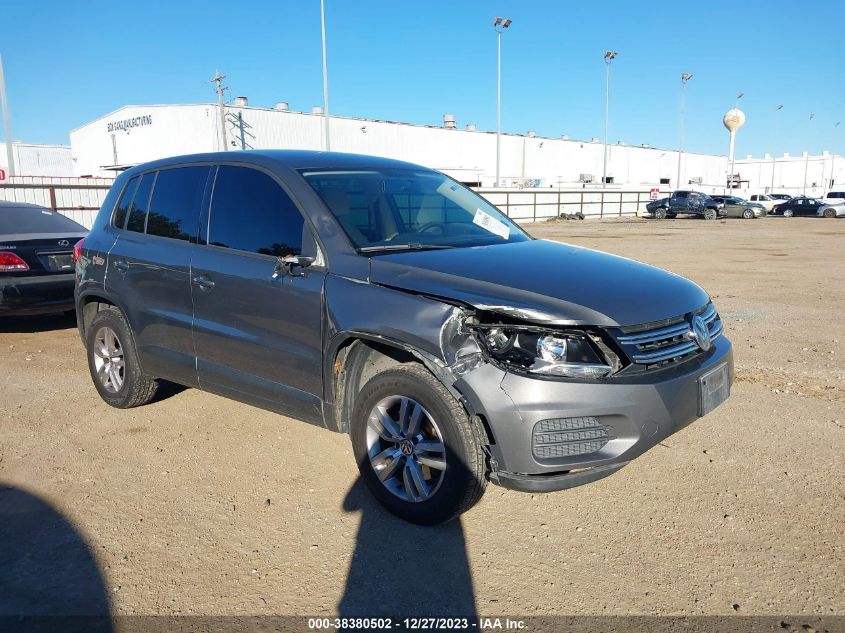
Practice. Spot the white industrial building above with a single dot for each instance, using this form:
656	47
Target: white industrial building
36	160
796	175
134	134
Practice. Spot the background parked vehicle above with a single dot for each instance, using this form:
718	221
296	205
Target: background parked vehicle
780	197
686	202
36	259
834	197
832	210
739	208
764	199
802	205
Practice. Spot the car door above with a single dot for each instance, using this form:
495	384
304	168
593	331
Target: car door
149	267
257	326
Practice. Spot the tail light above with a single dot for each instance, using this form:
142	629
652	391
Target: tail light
10	263
77	250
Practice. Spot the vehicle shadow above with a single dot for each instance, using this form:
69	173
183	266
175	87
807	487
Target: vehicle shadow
403	570
49	579
36	323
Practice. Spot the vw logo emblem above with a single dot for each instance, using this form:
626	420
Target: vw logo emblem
64	243
699	333
406	447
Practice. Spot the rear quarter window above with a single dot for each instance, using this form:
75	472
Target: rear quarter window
137	209
121	210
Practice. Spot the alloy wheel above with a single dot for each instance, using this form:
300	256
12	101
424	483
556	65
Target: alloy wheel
109	363
405	448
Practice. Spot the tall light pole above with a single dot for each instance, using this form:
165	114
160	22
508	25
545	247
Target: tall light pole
807	160
609	56
774	159
499	24
833	161
325	75
685	77
7	126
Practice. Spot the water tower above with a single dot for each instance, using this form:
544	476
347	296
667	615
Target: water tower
733	120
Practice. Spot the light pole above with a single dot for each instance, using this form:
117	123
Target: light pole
325	75
833	162
609	56
499	24
807	159
7	126
774	159
685	77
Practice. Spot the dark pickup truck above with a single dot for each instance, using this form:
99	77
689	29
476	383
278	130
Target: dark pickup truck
689	202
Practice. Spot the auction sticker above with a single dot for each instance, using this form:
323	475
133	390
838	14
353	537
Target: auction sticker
487	221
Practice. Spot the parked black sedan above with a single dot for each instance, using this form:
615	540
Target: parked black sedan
801	205
36	259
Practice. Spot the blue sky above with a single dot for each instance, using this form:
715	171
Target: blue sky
68	63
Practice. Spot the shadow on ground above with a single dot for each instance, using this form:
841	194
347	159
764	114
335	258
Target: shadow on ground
49	579
404	570
37	323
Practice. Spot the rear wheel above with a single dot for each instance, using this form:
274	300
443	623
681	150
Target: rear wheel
748	214
416	448
113	362
660	214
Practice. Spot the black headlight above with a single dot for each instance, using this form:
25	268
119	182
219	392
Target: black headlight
544	351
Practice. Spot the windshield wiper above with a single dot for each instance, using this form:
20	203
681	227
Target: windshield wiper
413	246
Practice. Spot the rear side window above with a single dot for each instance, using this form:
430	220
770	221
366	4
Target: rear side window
176	200
681	194
122	208
251	212
137	210
836	194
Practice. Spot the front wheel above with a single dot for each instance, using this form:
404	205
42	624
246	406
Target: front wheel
710	214
748	214
416	448
829	213
787	213
660	214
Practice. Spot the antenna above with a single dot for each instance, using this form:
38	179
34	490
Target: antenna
218	79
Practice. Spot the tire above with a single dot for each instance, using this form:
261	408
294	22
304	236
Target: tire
384	449
748	214
671	215
787	213
829	213
120	384
710	214
660	214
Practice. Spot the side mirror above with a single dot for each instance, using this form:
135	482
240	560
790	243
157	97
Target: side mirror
290	264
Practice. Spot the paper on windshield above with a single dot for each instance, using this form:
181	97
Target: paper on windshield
487	221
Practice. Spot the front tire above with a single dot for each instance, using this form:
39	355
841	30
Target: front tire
748	214
829	213
113	362
416	448
787	213
710	214
660	214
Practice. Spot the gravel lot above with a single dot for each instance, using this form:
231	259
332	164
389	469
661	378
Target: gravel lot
200	505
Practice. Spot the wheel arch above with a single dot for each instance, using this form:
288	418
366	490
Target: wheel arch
90	302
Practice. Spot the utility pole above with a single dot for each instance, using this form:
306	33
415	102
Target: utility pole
774	158
609	56
685	77
499	24
807	160
218	79
7	126
325	76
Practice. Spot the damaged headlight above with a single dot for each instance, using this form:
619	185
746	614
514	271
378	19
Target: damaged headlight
546	352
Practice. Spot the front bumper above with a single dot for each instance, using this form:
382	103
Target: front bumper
36	295
635	413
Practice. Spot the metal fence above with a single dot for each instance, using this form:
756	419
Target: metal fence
531	205
77	198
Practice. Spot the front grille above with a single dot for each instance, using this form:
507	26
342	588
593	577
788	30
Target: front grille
669	343
568	437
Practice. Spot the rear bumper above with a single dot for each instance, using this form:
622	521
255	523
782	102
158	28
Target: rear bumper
36	295
610	422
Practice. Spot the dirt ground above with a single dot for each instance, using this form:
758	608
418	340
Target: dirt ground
200	505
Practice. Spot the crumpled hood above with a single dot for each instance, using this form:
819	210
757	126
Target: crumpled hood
544	282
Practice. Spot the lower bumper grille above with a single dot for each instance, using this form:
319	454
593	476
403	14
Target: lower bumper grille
568	437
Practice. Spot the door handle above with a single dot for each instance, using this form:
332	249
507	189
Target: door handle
202	281
121	265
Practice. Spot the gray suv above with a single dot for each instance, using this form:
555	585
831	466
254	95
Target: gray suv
384	300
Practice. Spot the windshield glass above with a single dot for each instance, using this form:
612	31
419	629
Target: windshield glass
396	209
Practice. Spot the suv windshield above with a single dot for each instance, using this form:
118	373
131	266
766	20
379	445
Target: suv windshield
404	209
